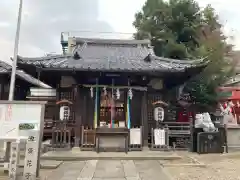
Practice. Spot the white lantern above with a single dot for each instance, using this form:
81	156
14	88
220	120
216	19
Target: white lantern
64	113
159	114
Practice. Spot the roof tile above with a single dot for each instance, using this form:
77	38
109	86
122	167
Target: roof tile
116	56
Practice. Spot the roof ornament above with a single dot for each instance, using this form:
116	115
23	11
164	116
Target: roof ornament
148	58
76	56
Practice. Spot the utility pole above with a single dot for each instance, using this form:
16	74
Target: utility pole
13	74
14	65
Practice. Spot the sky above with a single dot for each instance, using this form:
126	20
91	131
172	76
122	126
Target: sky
44	20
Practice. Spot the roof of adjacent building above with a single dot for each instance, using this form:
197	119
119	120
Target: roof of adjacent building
112	55
6	68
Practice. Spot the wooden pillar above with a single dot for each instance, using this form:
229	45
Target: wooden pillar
84	107
2	91
78	115
144	118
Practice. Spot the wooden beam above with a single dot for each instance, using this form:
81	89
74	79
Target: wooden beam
117	87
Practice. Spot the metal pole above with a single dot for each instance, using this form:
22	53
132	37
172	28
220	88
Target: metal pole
13	74
14	65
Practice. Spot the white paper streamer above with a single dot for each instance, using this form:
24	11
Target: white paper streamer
159	137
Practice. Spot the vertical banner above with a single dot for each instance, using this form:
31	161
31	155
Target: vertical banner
14	160
128	113
112	106
112	111
31	163
96	105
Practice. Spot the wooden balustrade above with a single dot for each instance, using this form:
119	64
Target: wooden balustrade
88	138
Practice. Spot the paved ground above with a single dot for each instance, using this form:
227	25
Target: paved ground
218	167
108	170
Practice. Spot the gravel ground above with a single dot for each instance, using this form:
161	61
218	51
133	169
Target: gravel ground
219	167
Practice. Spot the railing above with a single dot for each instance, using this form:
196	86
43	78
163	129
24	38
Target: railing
61	138
88	138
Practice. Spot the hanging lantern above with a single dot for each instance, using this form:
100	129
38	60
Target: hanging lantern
130	93
91	91
118	94
105	91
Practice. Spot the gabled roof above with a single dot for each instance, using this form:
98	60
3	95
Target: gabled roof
6	68
112	55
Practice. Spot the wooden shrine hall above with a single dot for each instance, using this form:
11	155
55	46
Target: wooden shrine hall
107	87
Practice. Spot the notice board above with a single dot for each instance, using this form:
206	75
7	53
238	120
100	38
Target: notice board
15	114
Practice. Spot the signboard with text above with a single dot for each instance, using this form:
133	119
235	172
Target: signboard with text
22	120
15	118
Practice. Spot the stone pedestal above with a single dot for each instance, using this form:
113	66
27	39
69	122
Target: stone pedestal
76	149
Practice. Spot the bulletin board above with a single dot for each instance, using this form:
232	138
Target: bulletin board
14	114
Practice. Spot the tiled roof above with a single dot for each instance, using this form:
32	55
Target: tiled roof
6	68
112	55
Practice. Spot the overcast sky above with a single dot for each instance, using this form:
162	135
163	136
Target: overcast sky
44	20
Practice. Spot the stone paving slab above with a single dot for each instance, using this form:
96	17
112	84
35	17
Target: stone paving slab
150	170
91	155
67	171
106	170
110	170
130	169
88	170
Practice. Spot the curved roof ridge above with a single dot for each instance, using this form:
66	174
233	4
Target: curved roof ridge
112	41
43	57
179	61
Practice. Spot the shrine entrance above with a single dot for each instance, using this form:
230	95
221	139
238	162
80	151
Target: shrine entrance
112	108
